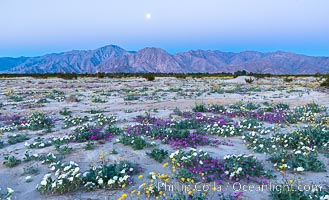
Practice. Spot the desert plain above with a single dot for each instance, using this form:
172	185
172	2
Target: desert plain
126	138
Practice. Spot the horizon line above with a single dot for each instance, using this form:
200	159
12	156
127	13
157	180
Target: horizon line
169	52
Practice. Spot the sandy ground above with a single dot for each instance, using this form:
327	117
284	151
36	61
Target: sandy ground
164	95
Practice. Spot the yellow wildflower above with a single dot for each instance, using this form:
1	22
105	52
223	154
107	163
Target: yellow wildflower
165	165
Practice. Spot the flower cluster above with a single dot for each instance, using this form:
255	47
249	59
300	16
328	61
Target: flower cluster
299	149
75	121
38	143
45	159
112	176
67	178
37	121
17	138
7	129
224	130
231	167
103	120
7	195
136	142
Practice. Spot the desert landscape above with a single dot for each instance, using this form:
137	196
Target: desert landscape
168	100
170	138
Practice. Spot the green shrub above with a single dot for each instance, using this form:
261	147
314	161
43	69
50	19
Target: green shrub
65	112
114	152
249	80
180	76
17	138
11	161
111	176
43	100
158	154
90	145
185	175
288	80
294	160
98	100
136	142
131	97
325	83
149	77
16	98
7	195
288	193
63	150
67	179
200	108
38	121
31	170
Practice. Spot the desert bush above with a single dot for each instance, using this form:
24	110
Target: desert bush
200	108
158	154
67	179
298	162
185	175
240	73
137	142
288	80
98	100
67	76
11	161
65	112
177	111
38	121
181	76
90	145
131	97
16	98
74	121
149	77
38	143
249	80
43	100
17	138
63	150
31	170
7	195
95	111
112	176
325	83
100	75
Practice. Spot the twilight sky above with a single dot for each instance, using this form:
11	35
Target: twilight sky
37	27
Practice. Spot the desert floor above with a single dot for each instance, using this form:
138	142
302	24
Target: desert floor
125	99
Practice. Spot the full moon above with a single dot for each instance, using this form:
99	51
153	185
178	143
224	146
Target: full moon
148	16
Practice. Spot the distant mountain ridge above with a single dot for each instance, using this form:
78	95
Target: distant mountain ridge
113	59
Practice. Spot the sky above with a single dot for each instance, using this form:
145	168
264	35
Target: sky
38	27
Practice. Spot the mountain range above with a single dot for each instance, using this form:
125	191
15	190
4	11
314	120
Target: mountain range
113	58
